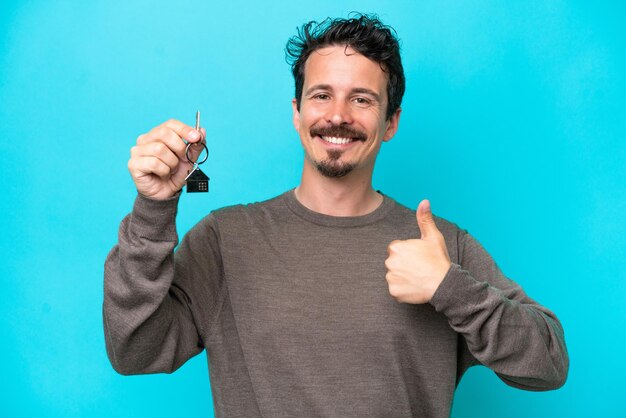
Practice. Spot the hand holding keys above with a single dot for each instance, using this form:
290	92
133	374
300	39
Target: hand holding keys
167	157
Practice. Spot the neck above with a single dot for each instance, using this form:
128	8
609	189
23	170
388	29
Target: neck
351	195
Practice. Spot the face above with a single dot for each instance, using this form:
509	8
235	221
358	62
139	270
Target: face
341	120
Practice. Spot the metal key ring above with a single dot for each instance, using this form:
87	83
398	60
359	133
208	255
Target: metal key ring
187	152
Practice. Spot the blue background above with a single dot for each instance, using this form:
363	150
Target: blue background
513	126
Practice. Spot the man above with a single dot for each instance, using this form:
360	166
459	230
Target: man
330	299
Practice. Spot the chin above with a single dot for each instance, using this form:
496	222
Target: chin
334	169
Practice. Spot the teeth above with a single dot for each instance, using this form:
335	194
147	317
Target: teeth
336	140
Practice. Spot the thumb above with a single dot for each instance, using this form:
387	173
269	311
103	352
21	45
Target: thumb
425	220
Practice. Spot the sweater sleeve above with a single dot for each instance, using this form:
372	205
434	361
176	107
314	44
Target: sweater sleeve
505	330
159	305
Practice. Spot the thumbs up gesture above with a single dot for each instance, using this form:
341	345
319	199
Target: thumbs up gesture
416	267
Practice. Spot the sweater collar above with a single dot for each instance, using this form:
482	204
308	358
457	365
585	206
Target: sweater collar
337	221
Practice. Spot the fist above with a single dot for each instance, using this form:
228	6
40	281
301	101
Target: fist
416	267
158	164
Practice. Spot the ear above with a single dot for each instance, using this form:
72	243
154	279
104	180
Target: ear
296	114
392	125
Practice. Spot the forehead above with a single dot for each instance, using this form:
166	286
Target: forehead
342	67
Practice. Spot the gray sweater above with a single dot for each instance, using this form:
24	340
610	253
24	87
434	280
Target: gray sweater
294	311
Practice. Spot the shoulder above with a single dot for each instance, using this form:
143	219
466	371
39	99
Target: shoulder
406	215
238	217
233	212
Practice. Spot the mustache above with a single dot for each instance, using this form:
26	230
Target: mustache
338	131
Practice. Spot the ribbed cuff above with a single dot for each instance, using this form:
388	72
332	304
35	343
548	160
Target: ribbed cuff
458	293
155	219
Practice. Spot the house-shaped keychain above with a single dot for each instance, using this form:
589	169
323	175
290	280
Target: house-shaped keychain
197	182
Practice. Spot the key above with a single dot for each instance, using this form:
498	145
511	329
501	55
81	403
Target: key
189	173
196	180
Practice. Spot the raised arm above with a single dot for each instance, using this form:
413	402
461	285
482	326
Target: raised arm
158	304
504	329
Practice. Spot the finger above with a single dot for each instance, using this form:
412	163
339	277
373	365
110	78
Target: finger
195	149
156	149
148	165
163	134
393	246
425	221
183	130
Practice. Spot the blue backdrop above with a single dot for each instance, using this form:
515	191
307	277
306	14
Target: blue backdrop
513	126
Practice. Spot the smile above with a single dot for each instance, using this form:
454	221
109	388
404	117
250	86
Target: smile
336	140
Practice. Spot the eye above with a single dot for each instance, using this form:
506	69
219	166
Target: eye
362	101
321	96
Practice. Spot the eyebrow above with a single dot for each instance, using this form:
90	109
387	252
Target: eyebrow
362	90
367	91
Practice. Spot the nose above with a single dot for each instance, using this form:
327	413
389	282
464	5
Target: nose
339	112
